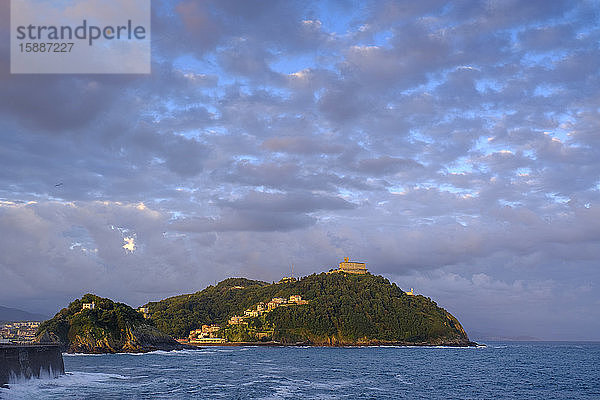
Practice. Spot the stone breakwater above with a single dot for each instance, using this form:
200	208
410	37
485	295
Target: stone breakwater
28	361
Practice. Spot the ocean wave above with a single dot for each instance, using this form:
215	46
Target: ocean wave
398	346
82	354
170	353
401	379
318	373
32	388
155	352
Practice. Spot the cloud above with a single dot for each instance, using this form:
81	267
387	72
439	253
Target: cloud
301	145
453	147
129	244
386	165
289	202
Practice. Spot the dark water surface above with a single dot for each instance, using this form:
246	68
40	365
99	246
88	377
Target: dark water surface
539	370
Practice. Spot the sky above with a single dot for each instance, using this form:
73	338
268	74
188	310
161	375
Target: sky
452	146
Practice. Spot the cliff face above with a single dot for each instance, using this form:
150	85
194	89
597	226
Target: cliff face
105	327
142	338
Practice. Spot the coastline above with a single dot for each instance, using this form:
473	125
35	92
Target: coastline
197	346
182	346
307	344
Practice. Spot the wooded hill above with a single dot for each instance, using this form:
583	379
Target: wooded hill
342	309
109	327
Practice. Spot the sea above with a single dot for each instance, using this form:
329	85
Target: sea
498	370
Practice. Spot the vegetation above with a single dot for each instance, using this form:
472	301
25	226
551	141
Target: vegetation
342	309
107	318
255	329
108	327
178	315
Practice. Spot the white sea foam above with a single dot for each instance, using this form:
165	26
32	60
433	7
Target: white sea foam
32	388
156	352
402	380
82	354
377	389
161	353
385	346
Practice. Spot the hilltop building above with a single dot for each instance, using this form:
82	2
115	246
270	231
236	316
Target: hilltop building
89	306
287	279
410	292
144	311
351	267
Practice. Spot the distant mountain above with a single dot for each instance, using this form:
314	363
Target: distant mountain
13	314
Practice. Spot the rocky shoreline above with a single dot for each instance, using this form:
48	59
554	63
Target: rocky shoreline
306	344
142	339
184	345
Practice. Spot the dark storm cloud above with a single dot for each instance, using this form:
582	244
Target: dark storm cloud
290	202
452	146
246	220
259	211
57	105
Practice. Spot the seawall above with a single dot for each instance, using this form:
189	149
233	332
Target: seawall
27	361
